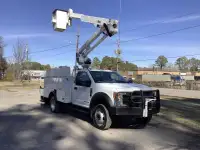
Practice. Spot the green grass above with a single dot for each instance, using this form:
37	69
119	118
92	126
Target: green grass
177	117
17	84
184	111
174	98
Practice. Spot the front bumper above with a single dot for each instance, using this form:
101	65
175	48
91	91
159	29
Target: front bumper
126	111
147	106
131	111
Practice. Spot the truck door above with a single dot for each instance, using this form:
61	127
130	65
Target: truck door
81	89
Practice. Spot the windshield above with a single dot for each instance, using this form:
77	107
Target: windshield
107	77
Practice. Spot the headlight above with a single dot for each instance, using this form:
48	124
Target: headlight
118	98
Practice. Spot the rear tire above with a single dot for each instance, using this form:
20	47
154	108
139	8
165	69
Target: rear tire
44	100
54	104
101	117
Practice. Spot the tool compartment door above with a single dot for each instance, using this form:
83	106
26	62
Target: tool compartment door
67	88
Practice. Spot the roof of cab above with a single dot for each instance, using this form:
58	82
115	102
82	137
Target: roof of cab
101	70
95	70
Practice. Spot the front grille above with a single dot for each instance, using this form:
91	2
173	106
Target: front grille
137	98
145	94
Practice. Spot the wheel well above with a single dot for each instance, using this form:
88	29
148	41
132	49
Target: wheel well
52	93
100	98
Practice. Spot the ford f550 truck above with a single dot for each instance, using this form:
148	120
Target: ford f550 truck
104	94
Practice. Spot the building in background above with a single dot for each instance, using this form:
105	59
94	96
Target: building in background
34	74
157	71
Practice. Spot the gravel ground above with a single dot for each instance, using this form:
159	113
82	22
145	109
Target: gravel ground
25	124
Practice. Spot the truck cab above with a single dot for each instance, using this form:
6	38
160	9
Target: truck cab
120	94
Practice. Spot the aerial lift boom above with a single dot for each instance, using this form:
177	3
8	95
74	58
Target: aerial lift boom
107	27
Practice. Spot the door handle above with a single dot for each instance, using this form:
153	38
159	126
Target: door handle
75	88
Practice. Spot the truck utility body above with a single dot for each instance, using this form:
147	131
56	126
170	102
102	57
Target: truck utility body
90	88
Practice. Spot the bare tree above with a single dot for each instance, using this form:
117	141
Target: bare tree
19	55
11	67
3	63
2	45
11	60
28	63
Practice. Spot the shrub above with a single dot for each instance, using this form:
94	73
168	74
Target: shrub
9	76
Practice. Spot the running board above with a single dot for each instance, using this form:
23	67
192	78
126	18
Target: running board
79	108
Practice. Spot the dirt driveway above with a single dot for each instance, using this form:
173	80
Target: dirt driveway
27	125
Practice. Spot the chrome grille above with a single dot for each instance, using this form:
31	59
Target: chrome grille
137	98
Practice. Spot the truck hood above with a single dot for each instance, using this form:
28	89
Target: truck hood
124	87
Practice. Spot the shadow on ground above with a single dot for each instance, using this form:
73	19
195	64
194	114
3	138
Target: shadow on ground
34	127
184	108
25	127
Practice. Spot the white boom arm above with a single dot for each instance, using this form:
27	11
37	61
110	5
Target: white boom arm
108	27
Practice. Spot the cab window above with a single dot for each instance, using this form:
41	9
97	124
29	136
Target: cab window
82	79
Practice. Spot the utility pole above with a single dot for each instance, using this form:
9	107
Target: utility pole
27	62
118	52
26	53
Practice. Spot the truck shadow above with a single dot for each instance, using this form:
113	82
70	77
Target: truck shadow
123	123
33	127
118	123
64	112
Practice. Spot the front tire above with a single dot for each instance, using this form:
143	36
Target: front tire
101	117
54	105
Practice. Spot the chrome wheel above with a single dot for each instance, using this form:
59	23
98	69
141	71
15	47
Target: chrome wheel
99	117
53	104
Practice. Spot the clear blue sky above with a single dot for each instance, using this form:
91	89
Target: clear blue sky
30	20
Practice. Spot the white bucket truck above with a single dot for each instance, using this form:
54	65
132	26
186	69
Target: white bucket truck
102	93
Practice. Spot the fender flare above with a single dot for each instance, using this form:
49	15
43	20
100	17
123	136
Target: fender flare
100	98
101	95
54	92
